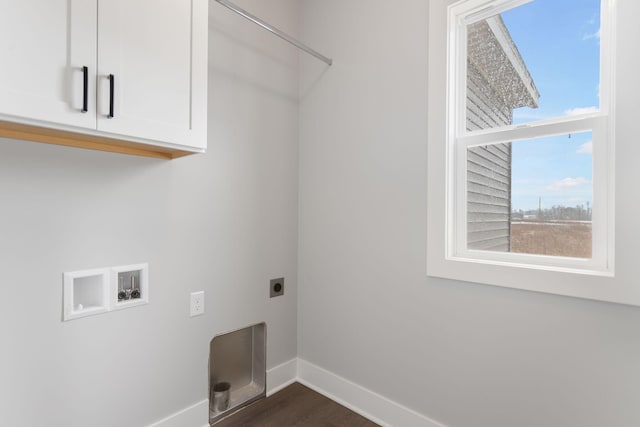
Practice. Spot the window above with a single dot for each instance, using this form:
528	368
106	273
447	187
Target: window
526	149
524	171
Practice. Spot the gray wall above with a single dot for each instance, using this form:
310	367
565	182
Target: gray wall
224	222
461	353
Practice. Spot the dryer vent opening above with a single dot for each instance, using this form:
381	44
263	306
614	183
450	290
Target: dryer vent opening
237	370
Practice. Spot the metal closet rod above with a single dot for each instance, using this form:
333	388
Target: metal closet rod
274	30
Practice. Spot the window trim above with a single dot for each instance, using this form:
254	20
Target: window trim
574	278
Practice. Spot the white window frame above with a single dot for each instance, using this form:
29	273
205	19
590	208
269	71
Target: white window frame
447	253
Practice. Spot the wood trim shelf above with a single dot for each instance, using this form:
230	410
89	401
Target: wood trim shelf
91	142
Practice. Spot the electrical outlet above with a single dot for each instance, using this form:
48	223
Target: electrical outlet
197	303
276	287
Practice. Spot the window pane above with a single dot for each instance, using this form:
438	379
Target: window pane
537	61
533	196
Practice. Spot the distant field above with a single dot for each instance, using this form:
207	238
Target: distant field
559	238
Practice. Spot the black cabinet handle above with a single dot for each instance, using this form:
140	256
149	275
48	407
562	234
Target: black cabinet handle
112	85
85	90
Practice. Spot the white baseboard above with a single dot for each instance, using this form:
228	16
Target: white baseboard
282	376
197	415
365	402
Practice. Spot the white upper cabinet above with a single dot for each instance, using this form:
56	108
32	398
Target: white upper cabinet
151	51
44	45
132	70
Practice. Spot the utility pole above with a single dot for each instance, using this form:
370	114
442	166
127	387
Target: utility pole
540	208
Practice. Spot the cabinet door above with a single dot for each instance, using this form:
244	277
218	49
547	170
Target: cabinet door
156	52
44	45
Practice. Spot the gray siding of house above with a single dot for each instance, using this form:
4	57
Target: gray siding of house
497	82
488	170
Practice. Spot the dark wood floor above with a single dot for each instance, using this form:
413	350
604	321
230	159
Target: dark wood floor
296	406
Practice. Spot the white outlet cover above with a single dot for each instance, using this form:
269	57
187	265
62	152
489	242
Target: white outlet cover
197	303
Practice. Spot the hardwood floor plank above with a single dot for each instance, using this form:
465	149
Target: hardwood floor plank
296	406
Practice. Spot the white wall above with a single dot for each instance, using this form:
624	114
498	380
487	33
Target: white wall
461	353
224	222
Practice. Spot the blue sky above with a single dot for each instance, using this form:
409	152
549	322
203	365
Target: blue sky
559	41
